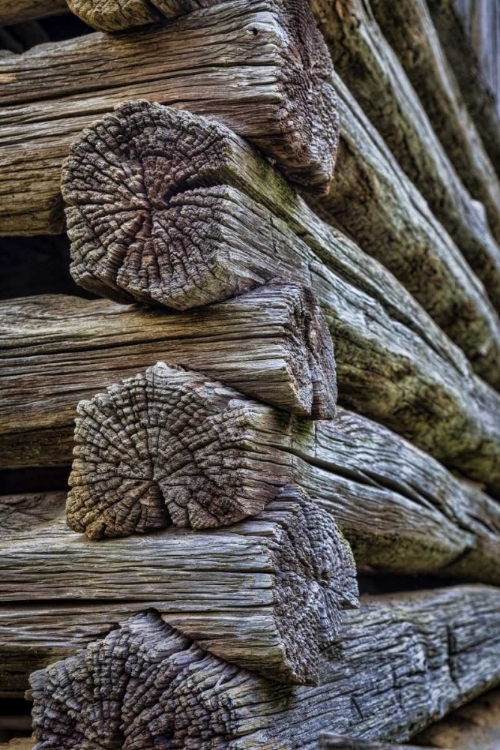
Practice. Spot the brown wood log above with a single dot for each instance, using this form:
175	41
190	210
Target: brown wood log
272	344
244	63
266	594
460	53
337	742
139	256
16	11
411	32
396	360
403	661
476	725
372	72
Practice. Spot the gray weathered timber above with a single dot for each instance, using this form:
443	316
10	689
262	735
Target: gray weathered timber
336	742
160	212
459	51
169	447
16	11
266	594
244	63
373	73
474	726
402	662
394	363
271	343
26	512
409	28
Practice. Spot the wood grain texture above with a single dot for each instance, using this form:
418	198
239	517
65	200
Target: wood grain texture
17	11
114	15
243	63
460	53
476	725
165	687
272	344
411	32
161	200
336	742
28	511
172	448
374	75
397	364
267	594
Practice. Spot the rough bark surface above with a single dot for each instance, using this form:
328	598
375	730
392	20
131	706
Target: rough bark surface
146	686
272	344
409	28
244	63
375	76
17	11
174	242
476	725
267	594
480	101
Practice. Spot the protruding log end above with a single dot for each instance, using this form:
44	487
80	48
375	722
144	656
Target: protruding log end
171	447
151	216
317	580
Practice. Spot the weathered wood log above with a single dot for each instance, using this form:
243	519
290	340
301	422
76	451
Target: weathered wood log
272	344
480	101
336	742
411	32
476	725
266	594
16	11
400	358
114	15
403	661
18	743
375	76
27	511
244	63
154	247
169	447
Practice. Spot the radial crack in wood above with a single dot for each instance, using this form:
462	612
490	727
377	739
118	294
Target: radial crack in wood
147	686
266	594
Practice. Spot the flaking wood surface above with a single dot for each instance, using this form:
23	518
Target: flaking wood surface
373	73
266	594
409	28
459	51
169	447
242	62
196	701
272	344
393	362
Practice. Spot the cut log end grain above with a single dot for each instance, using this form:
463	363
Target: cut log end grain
169	447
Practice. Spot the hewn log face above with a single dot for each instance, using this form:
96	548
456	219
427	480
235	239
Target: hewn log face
158	252
242	62
409	28
266	594
196	701
394	369
375	76
480	102
16	11
271	344
336	742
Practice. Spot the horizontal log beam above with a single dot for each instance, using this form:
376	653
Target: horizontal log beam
374	75
372	689
17	11
479	99
392	369
272	344
266	594
18	743
337	742
223	61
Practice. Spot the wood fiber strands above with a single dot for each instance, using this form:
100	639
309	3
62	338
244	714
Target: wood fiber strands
459	51
17	11
266	594
244	63
171	447
409	28
271	344
145	685
372	72
393	363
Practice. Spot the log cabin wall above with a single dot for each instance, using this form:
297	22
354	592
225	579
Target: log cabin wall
249	374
